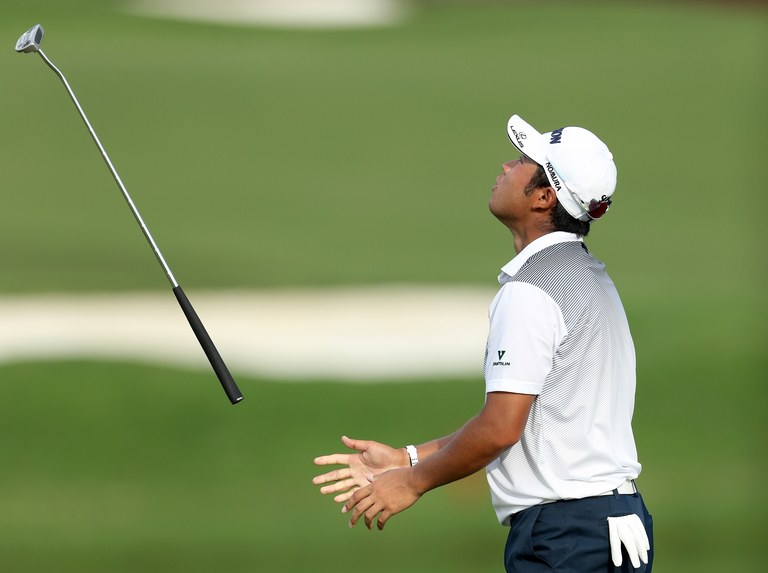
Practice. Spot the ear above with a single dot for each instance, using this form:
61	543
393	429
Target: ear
545	198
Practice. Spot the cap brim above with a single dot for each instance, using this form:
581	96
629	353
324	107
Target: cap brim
535	145
527	139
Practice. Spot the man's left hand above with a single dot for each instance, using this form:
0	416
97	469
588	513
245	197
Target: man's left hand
388	493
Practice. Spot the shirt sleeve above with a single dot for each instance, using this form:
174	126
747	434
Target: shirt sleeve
526	329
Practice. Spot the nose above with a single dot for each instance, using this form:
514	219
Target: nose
506	167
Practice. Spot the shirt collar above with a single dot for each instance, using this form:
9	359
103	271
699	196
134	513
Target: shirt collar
512	267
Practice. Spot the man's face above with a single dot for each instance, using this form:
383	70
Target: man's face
509	202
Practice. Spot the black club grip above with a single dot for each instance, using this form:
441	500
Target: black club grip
227	382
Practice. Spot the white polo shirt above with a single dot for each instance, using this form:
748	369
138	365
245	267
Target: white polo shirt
558	330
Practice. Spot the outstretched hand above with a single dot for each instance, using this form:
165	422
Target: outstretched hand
388	493
372	458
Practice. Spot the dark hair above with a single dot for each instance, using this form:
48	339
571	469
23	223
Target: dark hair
539	178
563	221
560	218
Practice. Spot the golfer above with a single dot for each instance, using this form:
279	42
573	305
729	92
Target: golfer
555	434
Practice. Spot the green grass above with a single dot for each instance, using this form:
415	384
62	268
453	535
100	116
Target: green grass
120	467
265	158
127	468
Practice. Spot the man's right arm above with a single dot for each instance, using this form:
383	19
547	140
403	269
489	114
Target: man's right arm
498	426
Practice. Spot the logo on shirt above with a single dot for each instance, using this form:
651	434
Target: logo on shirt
501	354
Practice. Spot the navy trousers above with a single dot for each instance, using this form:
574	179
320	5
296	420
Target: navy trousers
572	536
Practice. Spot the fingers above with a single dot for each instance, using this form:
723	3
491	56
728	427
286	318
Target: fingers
364	504
359	504
628	538
383	518
356	498
342	497
341	473
332	459
368	510
359	445
640	537
371	514
613	534
345	482
628	530
343	459
342	485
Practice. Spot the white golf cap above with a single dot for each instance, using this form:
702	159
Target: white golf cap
578	165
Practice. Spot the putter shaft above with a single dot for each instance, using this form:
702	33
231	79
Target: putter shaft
113	171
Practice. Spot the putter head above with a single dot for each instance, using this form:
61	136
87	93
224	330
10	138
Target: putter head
30	40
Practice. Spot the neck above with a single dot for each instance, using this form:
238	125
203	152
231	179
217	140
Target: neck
524	237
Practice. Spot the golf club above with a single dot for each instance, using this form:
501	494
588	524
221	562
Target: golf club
29	42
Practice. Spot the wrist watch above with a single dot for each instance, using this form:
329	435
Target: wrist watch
413	455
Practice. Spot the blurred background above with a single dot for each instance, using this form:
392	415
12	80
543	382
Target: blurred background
321	145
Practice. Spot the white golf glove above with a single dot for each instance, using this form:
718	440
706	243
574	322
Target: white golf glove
629	531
